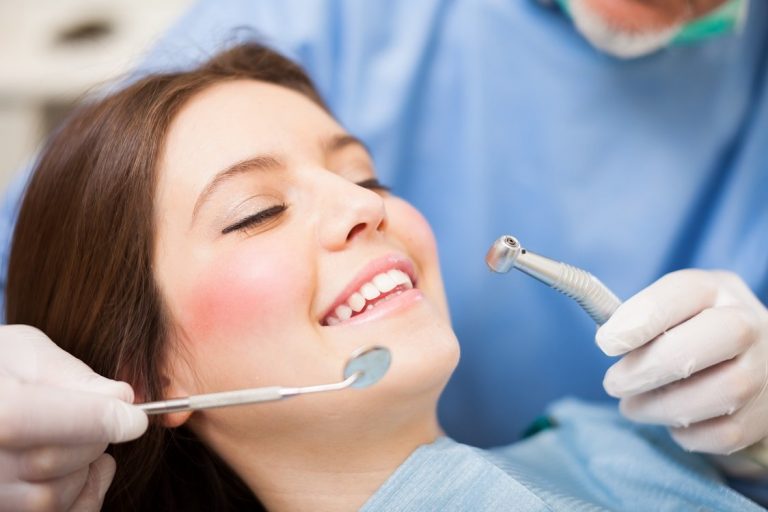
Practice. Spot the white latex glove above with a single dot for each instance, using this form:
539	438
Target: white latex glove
56	419
696	345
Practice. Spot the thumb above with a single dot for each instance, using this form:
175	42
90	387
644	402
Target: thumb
46	415
124	422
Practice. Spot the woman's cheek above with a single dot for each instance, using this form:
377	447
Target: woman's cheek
413	230
411	227
244	293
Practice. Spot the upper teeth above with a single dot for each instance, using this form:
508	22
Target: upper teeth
381	283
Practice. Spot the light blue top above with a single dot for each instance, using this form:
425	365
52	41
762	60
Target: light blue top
591	460
494	117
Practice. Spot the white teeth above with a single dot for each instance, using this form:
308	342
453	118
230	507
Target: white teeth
344	312
356	302
384	283
369	291
400	278
381	283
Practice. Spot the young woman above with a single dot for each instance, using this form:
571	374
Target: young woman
217	229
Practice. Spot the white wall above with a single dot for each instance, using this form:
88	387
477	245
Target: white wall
42	71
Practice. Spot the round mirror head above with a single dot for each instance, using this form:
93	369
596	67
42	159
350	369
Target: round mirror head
371	362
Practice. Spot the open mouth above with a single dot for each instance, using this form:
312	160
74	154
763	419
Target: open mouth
381	288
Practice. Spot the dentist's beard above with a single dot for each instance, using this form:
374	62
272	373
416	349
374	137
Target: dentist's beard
616	41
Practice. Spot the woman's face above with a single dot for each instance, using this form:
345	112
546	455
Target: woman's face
276	255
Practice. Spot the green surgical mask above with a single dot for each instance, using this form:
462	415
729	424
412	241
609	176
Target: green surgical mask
726	19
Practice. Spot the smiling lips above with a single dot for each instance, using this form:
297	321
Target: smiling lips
383	286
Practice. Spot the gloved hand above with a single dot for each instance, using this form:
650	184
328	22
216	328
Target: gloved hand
56	419
696	345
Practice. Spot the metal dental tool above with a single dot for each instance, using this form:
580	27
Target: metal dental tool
365	367
593	296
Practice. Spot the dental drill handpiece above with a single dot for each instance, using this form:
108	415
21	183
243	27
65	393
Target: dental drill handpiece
593	296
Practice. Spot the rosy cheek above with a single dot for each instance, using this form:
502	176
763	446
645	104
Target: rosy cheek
245	293
411	226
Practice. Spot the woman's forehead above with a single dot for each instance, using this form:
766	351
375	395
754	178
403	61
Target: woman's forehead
234	120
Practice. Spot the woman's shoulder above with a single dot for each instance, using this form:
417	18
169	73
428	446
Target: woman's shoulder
589	458
446	475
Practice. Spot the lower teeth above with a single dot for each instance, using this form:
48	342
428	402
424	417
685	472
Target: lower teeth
384	299
370	306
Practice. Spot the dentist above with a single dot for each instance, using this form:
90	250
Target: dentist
624	136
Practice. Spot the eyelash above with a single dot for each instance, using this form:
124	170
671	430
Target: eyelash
373	184
273	211
256	218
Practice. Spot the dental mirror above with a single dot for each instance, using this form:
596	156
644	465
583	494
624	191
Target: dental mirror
370	364
365	367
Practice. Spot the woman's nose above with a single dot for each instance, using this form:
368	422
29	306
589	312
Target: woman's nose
351	212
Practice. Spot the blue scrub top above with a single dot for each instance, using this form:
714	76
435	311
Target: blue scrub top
494	117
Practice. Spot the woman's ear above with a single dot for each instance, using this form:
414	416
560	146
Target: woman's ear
175	419
176	384
170	390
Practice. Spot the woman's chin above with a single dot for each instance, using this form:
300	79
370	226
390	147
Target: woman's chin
415	330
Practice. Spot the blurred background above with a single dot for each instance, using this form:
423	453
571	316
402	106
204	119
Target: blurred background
54	51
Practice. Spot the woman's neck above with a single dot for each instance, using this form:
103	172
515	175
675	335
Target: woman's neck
322	472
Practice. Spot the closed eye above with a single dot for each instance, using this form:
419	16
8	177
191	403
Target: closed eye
373	184
256	219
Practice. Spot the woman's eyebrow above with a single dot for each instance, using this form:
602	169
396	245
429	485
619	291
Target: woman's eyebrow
268	162
341	141
260	162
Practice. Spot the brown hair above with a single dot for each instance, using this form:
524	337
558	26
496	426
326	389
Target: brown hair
81	266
